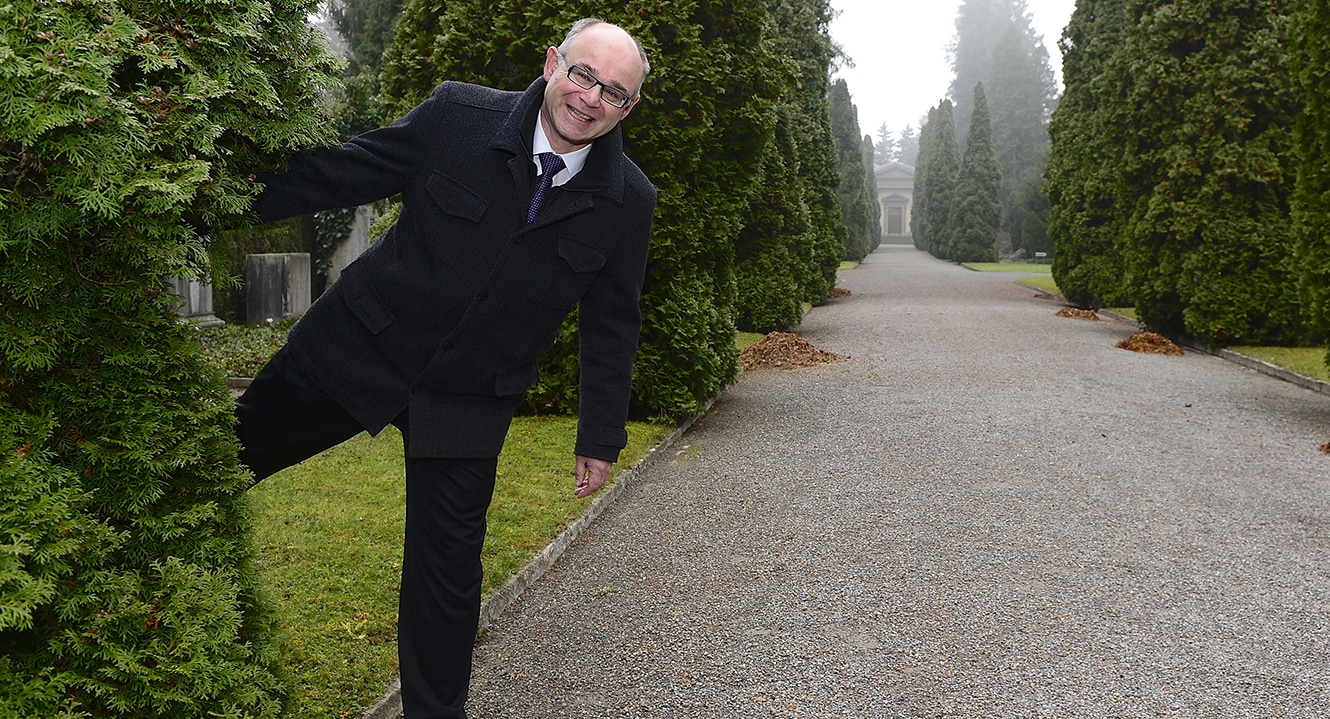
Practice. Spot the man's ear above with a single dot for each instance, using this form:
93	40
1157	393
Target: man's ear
629	107
551	63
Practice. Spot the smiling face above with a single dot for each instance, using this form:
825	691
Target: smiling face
573	116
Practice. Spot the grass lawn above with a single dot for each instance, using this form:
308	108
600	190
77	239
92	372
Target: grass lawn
1043	283
1039	267
1306	361
328	535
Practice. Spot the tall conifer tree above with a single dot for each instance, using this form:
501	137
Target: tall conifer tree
856	208
996	44
129	129
919	211
975	211
1087	215
1310	44
790	246
1205	128
870	189
940	184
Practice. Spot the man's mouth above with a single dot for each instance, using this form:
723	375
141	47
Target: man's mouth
580	116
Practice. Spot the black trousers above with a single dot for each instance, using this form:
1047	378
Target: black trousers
285	419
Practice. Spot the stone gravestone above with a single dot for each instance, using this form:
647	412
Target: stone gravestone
194	302
276	286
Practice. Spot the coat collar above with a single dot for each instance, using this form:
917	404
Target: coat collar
603	172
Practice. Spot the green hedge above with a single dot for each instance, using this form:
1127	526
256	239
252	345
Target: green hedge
126	584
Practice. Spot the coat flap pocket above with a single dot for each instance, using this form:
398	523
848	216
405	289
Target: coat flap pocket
364	301
516	381
580	256
455	199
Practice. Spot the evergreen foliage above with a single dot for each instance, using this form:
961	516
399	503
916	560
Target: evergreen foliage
939	184
767	254
1309	40
126	585
367	28
707	114
920	194
856	207
800	34
1087	213
996	44
784	257
887	148
908	146
1204	123
870	189
975	211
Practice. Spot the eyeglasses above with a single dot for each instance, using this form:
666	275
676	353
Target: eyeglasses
587	81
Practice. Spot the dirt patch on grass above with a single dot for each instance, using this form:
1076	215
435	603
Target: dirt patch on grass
1078	313
784	349
1150	343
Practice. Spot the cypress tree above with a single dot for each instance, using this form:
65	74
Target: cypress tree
788	250
975	211
1205	127
996	44
940	184
918	225
856	209
1086	214
1309	36
801	34
870	189
705	114
767	254
126	584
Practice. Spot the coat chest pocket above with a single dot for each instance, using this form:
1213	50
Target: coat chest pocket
459	211
455	199
567	277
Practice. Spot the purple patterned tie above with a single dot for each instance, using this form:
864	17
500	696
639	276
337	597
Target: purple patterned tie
550	165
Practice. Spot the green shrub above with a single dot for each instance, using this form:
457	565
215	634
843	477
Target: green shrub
126	582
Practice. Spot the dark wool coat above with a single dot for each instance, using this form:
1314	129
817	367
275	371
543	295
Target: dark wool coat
446	315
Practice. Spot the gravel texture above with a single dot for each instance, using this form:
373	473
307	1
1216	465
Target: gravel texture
985	510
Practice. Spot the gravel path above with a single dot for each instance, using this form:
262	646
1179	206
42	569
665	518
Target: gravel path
986	511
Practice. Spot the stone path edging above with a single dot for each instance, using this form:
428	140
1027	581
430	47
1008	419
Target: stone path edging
1238	358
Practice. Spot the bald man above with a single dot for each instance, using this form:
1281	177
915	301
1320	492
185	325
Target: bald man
516	208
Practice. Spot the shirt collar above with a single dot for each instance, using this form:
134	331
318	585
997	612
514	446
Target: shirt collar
572	161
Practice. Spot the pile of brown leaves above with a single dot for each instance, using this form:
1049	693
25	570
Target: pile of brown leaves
837	292
784	349
1326	448
1150	342
1078	313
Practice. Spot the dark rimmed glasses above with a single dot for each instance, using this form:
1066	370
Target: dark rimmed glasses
585	80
